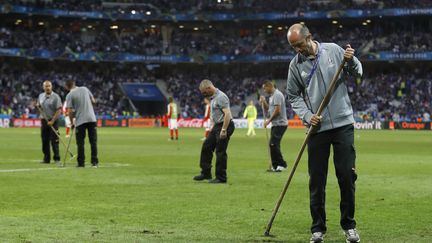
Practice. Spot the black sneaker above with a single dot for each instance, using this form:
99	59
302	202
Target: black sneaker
44	162
80	166
216	181
202	177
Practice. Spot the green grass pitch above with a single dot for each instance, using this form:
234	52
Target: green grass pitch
143	190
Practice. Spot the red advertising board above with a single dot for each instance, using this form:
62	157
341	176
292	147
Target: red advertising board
26	122
142	122
190	122
112	123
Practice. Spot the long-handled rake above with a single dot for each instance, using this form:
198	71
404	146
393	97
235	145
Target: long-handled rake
64	144
267	139
68	146
311	130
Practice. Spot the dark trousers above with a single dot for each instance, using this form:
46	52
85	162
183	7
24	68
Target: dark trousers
344	156
277	133
48	136
80	137
212	142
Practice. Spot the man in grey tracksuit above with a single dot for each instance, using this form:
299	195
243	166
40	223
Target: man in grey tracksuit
50	106
79	103
276	109
309	77
219	136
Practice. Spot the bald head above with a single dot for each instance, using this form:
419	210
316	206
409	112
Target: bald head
47	86
207	88
297	32
301	40
205	83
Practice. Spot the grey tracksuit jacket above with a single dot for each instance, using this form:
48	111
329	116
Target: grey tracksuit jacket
306	98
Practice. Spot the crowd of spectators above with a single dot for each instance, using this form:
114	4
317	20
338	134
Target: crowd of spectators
212	6
397	95
70	41
218	40
21	87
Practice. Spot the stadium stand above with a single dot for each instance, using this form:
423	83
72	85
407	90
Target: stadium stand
399	94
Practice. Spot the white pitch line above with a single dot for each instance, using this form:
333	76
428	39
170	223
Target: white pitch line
108	165
20	160
29	169
114	164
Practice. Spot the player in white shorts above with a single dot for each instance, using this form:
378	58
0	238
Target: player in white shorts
172	115
68	123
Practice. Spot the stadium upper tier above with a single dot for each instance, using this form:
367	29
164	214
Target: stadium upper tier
81	40
216	10
169	6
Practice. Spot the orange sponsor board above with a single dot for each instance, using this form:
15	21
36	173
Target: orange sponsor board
413	125
142	122
295	124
